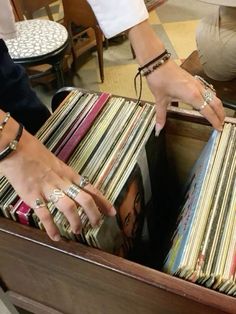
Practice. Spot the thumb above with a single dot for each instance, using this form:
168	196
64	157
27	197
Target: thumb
161	108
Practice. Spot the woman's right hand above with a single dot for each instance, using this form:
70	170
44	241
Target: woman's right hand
169	82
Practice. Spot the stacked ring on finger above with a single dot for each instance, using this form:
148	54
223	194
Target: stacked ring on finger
39	203
56	195
205	83
83	181
72	191
202	106
208	96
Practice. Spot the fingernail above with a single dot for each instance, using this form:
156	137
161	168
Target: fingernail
78	231
158	128
112	211
99	223
57	237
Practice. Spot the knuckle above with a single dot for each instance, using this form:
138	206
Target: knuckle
88	201
95	219
68	207
194	92
45	217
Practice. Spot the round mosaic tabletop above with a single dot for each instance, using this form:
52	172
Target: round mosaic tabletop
36	38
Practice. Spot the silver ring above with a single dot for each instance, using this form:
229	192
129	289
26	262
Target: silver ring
208	96
39	203
202	106
56	195
83	181
72	191
205	83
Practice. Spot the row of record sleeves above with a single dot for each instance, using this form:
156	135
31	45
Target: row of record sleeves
204	243
102	137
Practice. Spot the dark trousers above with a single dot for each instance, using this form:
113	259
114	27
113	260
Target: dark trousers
17	96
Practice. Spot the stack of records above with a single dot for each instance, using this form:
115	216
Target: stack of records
104	138
204	243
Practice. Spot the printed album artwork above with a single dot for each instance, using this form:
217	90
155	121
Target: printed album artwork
204	243
104	138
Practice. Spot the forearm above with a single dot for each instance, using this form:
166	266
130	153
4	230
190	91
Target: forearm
145	42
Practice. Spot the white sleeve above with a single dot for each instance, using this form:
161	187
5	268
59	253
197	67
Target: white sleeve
7	20
116	16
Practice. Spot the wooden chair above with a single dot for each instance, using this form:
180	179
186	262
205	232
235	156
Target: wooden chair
79	13
43	55
17	10
29	7
225	90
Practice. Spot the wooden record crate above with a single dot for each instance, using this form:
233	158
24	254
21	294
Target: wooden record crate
43	276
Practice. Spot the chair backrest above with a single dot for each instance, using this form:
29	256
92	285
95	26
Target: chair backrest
29	7
17	10
79	12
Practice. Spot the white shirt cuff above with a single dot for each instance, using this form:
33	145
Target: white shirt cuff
115	16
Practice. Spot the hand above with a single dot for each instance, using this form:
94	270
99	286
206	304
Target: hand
35	173
169	82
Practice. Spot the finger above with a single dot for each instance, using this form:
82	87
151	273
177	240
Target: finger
104	205
217	114
67	206
161	108
90	207
86	201
212	117
46	219
218	108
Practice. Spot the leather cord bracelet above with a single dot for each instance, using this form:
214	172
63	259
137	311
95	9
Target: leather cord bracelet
148	68
13	144
145	66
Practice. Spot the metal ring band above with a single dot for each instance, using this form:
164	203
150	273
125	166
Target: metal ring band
205	83
56	195
202	106
39	203
72	191
208	96
83	181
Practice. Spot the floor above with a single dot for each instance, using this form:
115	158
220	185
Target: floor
174	22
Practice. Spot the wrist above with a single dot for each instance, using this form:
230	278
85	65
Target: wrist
145	42
9	131
10	135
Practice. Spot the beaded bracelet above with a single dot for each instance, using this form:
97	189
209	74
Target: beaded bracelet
4	122
155	65
148	68
152	65
12	145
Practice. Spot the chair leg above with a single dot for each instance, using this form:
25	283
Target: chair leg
99	40
106	43
49	12
59	74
